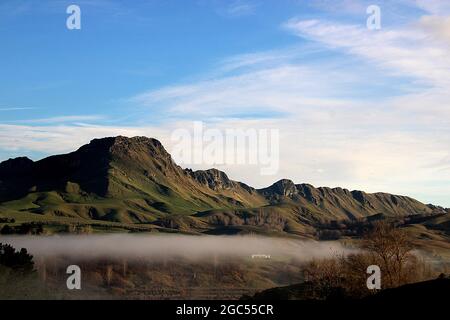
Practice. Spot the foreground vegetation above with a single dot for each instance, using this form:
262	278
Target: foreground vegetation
345	276
341	276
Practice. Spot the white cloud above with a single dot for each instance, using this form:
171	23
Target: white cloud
15	108
62	119
61	138
284	88
407	51
436	7
438	27
240	8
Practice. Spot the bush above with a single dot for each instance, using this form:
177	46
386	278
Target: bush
24	228
19	261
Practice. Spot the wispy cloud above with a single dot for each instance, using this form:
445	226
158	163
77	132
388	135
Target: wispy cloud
59	138
409	51
285	89
420	51
435	7
240	8
437	27
62	119
15	108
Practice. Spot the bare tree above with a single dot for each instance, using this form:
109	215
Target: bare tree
392	248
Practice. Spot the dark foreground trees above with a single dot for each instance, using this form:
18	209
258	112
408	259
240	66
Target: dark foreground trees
19	261
24	228
18	279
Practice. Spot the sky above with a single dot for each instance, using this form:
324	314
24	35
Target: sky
356	108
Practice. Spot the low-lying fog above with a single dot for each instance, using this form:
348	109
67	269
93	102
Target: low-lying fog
164	246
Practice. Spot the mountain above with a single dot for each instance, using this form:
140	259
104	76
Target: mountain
134	181
118	179
342	203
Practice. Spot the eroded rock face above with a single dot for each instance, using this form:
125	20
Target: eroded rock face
282	187
212	178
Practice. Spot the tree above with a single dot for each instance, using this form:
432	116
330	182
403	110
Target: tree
386	246
392	248
7	230
19	261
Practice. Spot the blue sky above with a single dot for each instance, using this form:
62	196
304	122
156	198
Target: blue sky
120	50
123	50
357	108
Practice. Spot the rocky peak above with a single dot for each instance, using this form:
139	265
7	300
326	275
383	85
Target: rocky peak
308	192
360	196
282	187
16	166
213	178
124	145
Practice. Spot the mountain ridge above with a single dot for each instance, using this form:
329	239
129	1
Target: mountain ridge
135	180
